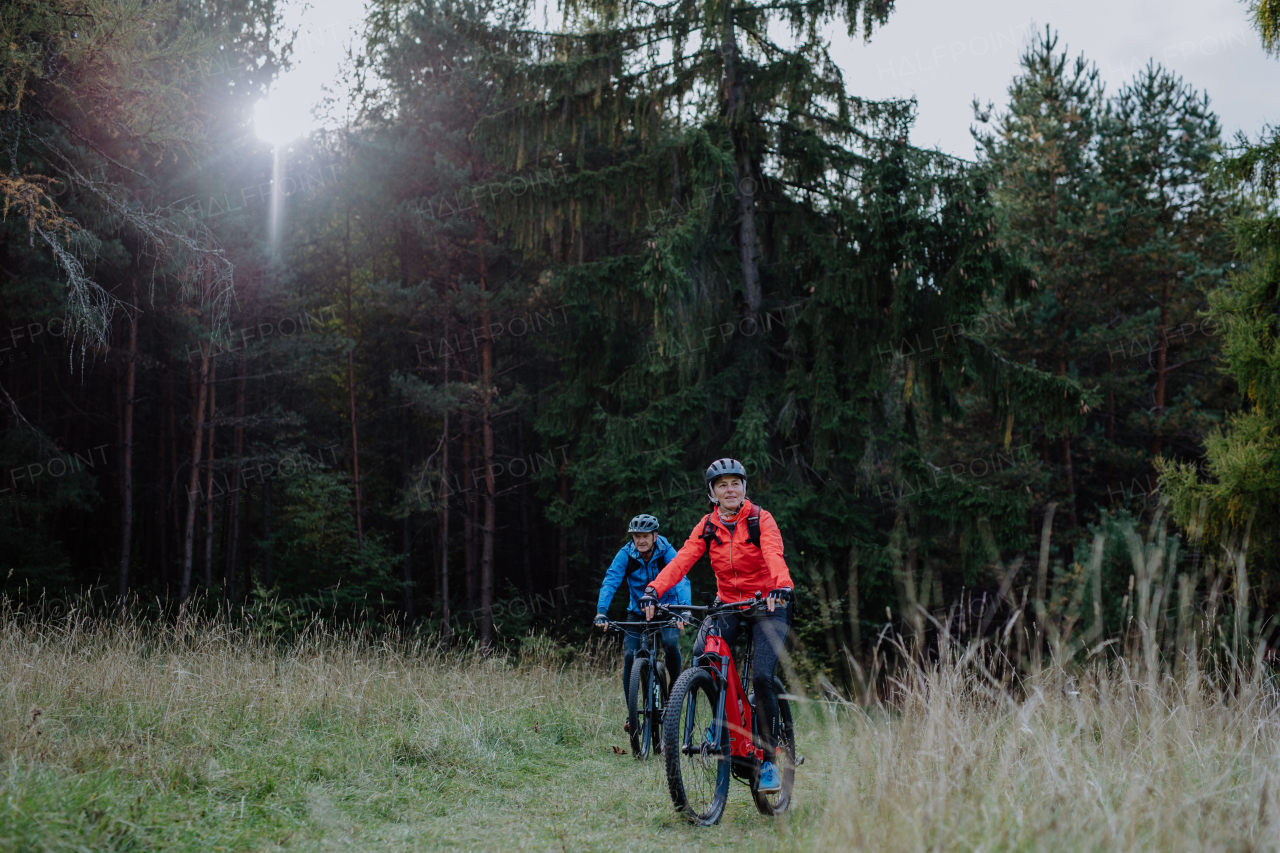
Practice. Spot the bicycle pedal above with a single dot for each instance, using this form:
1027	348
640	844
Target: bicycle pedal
799	760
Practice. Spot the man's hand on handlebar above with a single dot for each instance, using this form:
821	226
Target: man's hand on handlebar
778	597
602	621
649	603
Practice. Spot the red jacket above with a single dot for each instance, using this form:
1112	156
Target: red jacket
741	568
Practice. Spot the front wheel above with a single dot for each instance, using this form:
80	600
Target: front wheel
660	691
696	748
640	708
784	759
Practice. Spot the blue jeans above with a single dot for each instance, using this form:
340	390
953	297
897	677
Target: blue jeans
633	640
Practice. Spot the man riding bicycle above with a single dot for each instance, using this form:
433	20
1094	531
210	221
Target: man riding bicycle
639	562
745	546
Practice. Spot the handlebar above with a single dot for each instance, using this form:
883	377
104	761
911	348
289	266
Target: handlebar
675	614
758	600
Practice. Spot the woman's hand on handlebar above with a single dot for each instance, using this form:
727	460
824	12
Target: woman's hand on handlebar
778	597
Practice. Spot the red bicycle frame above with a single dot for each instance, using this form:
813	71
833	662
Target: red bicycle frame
734	709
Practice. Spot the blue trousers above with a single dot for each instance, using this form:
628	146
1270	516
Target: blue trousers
631	643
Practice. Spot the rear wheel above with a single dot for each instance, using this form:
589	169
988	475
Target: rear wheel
640	708
784	759
697	768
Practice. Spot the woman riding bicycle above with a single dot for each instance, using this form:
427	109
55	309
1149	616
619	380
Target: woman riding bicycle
745	546
639	562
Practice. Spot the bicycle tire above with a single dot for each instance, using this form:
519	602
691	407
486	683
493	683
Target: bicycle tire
661	693
697	770
640	709
784	760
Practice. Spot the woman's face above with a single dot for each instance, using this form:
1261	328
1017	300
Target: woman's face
730	491
643	541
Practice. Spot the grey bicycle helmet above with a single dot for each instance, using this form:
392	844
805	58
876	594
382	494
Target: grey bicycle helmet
721	468
643	523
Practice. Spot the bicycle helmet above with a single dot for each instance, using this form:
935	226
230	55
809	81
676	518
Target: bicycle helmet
721	468
643	523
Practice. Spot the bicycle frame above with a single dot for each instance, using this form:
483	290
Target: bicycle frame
710	753
734	708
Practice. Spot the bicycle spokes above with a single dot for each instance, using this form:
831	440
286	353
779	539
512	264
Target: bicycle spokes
697	766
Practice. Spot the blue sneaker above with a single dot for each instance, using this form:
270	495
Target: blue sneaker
709	736
770	781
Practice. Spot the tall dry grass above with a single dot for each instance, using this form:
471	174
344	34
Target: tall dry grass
1089	758
1017	720
1033	731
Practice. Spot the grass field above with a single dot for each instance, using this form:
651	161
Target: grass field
121	738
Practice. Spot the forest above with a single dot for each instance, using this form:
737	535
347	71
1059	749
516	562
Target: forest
419	371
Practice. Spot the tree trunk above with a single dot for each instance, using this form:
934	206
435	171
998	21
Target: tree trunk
236	493
1111	401
268	573
446	626
208	480
490	487
172	485
406	529
199	390
470	509
855	624
351	392
126	463
562	561
1066	459
165	439
738	115
524	524
1162	363
1071	476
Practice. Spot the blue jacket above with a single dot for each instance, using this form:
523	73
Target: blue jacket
641	577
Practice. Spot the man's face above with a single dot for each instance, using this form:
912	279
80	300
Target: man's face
729	490
643	541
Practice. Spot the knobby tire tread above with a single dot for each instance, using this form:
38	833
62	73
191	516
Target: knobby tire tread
641	701
693	680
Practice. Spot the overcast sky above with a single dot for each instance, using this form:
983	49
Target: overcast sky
946	53
943	52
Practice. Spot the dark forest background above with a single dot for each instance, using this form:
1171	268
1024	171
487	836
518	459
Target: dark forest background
422	369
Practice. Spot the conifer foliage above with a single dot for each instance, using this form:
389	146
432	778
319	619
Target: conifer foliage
425	365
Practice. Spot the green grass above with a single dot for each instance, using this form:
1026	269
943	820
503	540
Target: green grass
216	742
121	737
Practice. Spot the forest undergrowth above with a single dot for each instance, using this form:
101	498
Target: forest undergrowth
121	735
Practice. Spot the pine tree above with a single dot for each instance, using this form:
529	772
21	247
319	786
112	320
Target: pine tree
1237	492
1048	193
108	106
1158	152
788	281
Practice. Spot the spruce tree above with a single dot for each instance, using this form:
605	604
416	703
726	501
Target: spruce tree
806	306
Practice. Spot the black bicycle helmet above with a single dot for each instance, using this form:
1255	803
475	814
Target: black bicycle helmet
643	523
